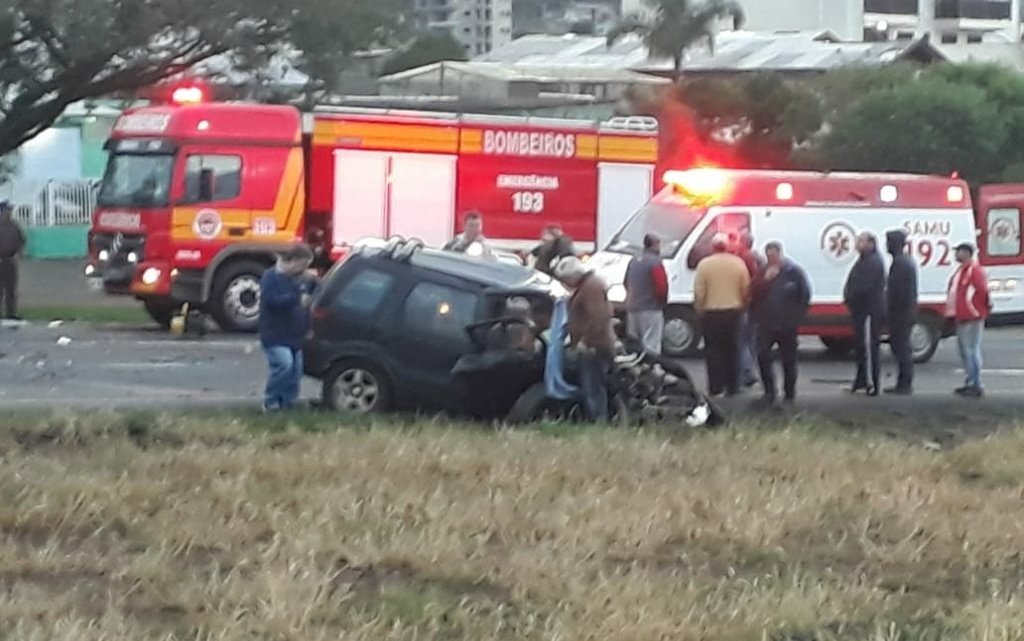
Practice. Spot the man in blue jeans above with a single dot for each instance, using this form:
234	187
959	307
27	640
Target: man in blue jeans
285	295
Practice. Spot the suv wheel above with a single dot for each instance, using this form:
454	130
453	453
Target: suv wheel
356	387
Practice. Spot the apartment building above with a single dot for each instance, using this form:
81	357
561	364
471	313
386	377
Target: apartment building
945	21
479	25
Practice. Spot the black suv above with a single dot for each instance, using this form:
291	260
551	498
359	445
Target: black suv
391	322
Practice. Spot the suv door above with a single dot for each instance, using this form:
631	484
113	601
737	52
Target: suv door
429	336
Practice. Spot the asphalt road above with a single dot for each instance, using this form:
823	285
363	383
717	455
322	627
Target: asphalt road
143	368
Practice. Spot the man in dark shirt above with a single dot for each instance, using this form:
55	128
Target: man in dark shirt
285	296
902	312
12	243
864	296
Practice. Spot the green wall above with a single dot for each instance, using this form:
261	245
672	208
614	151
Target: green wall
57	242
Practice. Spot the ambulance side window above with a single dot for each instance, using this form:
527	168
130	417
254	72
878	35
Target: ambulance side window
733	224
224	171
1002	232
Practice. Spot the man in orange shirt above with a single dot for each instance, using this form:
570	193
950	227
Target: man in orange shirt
720	293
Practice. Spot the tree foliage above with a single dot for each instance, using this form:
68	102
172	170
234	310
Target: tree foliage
968	119
677	25
424	50
56	52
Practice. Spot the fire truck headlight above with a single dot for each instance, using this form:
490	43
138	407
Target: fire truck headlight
133	257
90	269
104	255
617	294
151	276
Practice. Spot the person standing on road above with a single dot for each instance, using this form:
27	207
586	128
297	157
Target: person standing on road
779	298
646	285
285	296
471	241
554	245
12	243
590	333
721	289
864	296
902	309
748	332
968	304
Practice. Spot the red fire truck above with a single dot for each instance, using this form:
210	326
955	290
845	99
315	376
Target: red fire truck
197	198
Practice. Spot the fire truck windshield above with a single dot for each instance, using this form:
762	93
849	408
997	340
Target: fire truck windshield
135	180
672	223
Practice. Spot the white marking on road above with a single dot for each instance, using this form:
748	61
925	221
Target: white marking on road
999	372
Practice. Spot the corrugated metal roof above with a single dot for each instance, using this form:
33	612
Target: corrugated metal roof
529	73
734	51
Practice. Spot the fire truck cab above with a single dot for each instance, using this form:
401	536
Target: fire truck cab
817	218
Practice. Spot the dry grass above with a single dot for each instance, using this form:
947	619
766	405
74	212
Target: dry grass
165	527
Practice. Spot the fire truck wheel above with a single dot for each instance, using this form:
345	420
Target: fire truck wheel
161	310
235	300
682	335
924	338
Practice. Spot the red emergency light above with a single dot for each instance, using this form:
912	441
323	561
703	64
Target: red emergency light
702	185
190	94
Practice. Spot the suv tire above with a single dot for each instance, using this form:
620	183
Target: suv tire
358	387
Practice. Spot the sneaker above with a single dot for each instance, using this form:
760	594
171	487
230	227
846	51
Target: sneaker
961	390
973	392
872	391
899	391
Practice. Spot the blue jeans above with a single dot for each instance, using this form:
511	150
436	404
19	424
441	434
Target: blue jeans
594	385
284	378
968	336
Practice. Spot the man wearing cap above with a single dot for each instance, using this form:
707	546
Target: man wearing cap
721	290
968	304
12	243
590	332
285	296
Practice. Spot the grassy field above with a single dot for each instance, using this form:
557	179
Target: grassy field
221	527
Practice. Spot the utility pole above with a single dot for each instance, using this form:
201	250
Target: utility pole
926	18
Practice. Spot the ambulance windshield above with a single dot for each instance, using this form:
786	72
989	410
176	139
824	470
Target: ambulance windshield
671	222
136	180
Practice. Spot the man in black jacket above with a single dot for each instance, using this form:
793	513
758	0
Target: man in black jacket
864	296
779	298
902	312
12	244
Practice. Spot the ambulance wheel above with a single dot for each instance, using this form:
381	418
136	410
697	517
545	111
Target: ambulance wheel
235	299
161	310
682	335
837	345
924	338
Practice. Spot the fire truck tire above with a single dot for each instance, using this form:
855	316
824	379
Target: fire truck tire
925	336
837	345
161	310
682	335
235	299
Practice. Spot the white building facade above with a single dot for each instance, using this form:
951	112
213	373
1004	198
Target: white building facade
478	25
944	21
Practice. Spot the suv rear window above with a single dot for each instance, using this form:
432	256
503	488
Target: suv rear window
440	311
363	294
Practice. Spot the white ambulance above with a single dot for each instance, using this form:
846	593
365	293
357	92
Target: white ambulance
817	217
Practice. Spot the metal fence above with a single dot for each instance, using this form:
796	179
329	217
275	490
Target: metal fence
59	203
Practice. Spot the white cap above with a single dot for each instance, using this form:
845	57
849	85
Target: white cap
569	267
720	239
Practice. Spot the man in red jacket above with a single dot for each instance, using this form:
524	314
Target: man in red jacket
968	303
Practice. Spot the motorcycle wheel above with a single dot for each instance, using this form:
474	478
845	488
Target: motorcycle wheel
534	405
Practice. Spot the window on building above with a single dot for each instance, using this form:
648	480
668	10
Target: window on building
949	38
974	38
224	171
